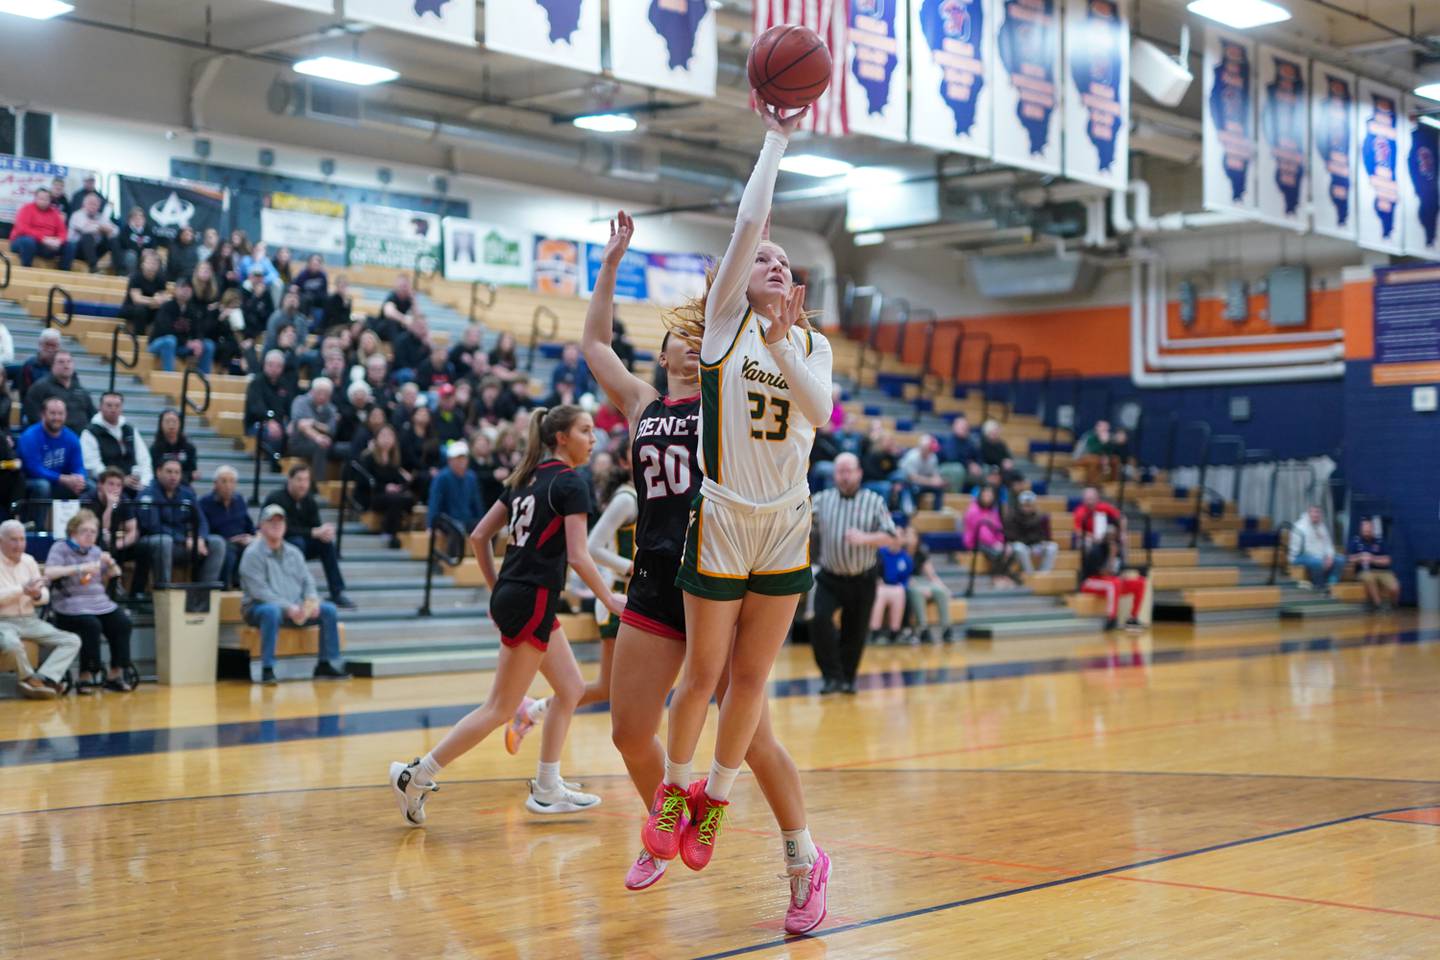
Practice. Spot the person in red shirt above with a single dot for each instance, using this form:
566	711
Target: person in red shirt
40	230
1093	517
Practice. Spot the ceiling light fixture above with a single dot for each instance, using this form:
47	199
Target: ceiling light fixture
869	239
35	9
344	71
813	165
862	177
1431	120
1430	91
606	122
1240	14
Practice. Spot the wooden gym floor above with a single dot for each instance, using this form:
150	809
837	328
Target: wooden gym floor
1261	791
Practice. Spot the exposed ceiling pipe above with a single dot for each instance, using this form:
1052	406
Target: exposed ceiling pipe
207	70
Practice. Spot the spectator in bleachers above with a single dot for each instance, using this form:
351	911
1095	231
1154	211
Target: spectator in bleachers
521	398
339	306
240	242
959	456
494	405
59	199
366	351
227	327
390	494
37	367
258	261
462	355
170	443
144	295
119	524
268	398
92	233
455	490
289	315
87	186
1373	567
1312	547
397	310
40	230
227	267
993	449
608	417
407	402
448	419
183	254
277	587
920	471
891	595
483	464
314	284
1028	531
1100	570
352	409
313	423
205	288
284	263
257	304
12	474
209	243
135	240
507	452
562	394
377	378
504	362
1093	519
62	384
77	568
621	344
411	347
7	353
1094	455
178	329
982	528
420	450
22	589
165	525
305	530
374	418
880	464
228	516
435	370
573	364
925	584
108	441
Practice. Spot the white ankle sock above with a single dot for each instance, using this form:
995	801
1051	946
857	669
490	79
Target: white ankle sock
799	848
678	774
429	767
537	710
547	777
721	779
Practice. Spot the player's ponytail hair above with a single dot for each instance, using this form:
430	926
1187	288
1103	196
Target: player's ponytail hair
545	426
687	321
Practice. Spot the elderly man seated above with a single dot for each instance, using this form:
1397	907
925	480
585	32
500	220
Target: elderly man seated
277	587
22	589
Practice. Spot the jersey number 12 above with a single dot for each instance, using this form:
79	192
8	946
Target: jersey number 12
667	474
521	513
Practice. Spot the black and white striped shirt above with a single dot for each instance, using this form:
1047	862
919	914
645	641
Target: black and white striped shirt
835	514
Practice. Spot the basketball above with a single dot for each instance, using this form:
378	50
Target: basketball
789	66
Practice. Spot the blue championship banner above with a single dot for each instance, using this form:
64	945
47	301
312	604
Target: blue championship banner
1097	92
952	49
1284	138
1332	151
1228	145
1378	134
1027	84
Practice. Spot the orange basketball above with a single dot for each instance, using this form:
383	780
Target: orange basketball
789	66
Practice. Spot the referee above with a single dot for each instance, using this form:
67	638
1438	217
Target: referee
850	524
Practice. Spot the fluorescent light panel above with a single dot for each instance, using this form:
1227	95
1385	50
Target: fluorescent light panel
862	177
1240	14
1431	121
606	122
344	71
813	165
35	9
1430	91
869	239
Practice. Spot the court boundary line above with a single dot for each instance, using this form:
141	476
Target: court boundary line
1047	884
142	741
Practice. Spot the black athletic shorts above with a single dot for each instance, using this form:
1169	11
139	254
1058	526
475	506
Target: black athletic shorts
652	601
524	613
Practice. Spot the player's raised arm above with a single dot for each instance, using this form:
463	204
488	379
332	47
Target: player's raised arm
725	305
625	390
809	376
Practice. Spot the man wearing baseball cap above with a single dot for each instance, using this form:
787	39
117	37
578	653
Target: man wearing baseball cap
278	588
455	491
1028	531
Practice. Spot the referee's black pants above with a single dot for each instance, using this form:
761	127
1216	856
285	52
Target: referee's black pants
839	657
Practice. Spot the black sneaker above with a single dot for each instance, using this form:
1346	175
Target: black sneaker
1112	624
324	670
267	676
343	602
847	687
1134	624
947	636
829	686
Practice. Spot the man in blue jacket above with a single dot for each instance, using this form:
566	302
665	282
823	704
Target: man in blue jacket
456	492
165	527
50	454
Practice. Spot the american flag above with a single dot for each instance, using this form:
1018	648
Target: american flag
830	19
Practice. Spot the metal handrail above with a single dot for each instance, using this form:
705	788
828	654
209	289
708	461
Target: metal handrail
475	298
5	259
931	326
540	311
185	401
345	470
1074	376
417	271
115	351
958	352
902	313
262	447
450	560
50	315
866	350
1044	391
1275	557
991	349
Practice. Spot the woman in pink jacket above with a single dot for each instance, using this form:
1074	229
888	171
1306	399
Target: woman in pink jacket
982	524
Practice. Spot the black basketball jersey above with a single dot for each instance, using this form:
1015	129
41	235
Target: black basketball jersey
667	472
536	554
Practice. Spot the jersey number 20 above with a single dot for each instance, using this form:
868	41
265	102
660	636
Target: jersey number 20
521	513
668	474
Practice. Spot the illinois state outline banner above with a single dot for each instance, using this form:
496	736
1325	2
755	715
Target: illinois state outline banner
1027	84
1284	138
1332	151
1420	190
875	68
1378	136
450	20
1097	92
563	32
1228	147
669	44
951	51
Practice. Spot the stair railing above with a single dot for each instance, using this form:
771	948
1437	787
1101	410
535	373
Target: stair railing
263	448
1075	377
432	555
991	349
5	261
115	358
185	402
536	336
59	320
476	303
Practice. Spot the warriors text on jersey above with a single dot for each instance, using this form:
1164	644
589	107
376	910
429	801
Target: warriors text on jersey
667	474
536	554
